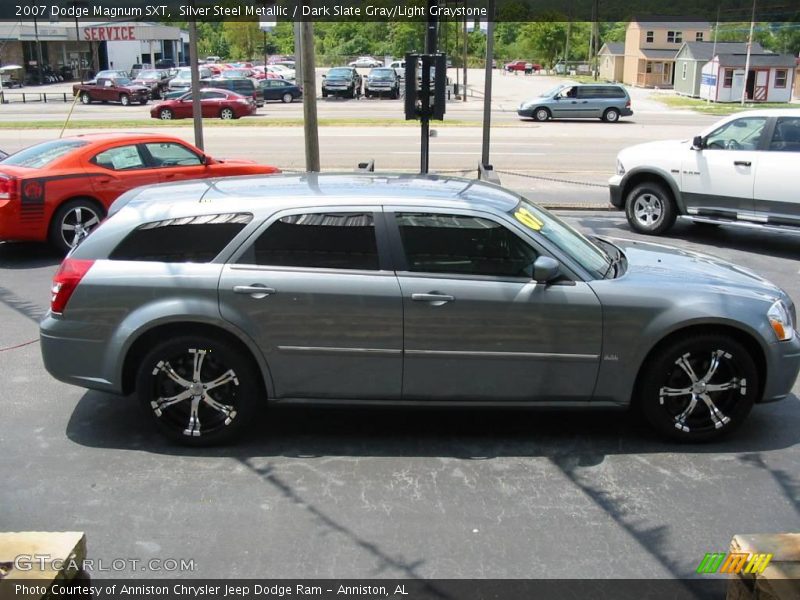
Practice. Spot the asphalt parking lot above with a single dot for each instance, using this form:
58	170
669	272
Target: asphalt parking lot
391	493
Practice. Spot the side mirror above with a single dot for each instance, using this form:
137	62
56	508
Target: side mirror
697	142
545	269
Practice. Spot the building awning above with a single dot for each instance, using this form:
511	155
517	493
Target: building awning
659	54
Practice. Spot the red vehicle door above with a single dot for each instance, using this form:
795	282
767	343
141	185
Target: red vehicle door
119	169
212	102
175	162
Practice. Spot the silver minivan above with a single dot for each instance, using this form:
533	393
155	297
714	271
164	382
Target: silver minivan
603	101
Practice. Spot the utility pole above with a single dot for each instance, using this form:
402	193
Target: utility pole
430	48
298	51
487	95
596	27
197	109
466	40
747	60
310	124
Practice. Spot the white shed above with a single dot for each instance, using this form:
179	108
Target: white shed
769	79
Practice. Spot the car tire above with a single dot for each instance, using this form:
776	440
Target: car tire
85	98
611	115
650	208
287	98
125	100
181	366
72	221
227	114
165	114
367	93
324	94
676	395
541	114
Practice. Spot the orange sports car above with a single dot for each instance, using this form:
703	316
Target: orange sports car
59	190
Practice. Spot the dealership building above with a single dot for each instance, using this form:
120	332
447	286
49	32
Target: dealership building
77	50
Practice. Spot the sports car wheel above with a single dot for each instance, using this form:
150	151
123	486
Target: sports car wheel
72	222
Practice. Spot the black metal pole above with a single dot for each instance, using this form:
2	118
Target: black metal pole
197	109
430	48
487	96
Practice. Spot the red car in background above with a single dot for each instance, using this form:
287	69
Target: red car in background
522	65
214	103
58	191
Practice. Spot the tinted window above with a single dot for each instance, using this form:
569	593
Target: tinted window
438	243
592	91
787	135
121	158
190	239
42	155
319	240
172	155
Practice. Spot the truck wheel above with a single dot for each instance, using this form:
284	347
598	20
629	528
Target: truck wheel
125	100
287	98
85	99
650	208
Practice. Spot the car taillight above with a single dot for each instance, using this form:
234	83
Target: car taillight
9	187
65	281
628	104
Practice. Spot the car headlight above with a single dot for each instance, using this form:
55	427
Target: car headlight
781	321
620	168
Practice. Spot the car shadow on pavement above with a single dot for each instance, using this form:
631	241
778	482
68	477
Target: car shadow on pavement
27	255
106	421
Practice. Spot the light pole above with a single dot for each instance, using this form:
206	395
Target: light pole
77	5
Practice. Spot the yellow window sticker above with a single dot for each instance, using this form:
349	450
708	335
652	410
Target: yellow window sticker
524	216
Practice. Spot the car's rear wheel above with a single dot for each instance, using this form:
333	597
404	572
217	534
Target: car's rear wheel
227	114
85	98
541	114
699	387
165	114
72	222
650	208
287	98
198	390
125	100
611	115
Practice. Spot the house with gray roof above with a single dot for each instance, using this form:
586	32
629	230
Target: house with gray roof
769	77
693	56
611	61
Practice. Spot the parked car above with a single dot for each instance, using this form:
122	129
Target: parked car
282	72
215	103
165	63
208	299
243	85
279	89
59	190
183	78
523	65
608	102
365	62
119	89
738	171
399	67
156	81
342	81
382	81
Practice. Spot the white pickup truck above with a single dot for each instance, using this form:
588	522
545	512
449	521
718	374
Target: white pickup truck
739	171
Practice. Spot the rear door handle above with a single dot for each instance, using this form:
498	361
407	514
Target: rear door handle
257	290
742	163
433	298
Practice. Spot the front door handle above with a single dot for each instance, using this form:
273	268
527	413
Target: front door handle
257	290
433	297
742	163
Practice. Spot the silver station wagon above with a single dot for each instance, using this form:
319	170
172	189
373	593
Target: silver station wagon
206	298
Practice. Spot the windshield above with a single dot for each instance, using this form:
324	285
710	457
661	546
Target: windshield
41	155
339	72
567	239
382	74
184	74
149	75
555	90
122	81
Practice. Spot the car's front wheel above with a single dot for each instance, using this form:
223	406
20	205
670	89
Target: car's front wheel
650	208
198	390
125	100
699	387
541	114
165	114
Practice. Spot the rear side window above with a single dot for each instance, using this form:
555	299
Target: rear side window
318	240
190	239
41	155
611	91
